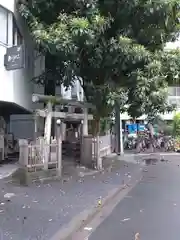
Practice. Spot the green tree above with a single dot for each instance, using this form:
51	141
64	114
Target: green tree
114	47
161	125
176	125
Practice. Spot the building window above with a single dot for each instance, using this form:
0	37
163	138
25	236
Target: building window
174	91
17	37
3	25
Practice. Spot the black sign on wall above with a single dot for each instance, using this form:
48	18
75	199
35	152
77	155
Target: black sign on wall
14	58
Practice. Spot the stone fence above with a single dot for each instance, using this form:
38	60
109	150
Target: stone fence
35	156
94	149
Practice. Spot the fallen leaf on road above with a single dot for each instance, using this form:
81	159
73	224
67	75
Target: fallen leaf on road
88	228
128	196
137	236
65	180
9	195
105	181
81	180
23	221
1	211
63	192
50	220
81	174
125	219
100	202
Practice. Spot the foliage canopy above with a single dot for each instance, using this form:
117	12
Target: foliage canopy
114	47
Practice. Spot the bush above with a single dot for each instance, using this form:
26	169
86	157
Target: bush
176	125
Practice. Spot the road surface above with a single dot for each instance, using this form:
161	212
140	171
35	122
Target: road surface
151	208
38	211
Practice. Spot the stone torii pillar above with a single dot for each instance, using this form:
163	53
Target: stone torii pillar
85	123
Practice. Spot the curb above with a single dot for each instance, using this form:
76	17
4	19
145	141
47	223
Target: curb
86	216
43	180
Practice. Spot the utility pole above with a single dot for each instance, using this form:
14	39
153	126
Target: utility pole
119	133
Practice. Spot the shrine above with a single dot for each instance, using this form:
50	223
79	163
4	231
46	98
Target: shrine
46	149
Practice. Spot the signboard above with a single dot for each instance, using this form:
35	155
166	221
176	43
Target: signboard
132	128
141	127
14	58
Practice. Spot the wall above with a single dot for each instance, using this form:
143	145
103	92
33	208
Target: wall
23	86
6	77
8	4
22	126
15	86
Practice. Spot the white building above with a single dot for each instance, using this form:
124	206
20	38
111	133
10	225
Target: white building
16	87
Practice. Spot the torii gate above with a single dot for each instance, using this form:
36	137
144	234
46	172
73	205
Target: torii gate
48	114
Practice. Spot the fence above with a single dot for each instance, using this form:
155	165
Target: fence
94	149
37	156
40	155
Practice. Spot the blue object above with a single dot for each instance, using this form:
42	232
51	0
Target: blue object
132	128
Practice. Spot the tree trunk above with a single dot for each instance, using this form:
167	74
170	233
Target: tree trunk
50	83
151	136
96	126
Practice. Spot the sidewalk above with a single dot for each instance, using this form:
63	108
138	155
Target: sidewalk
39	211
139	157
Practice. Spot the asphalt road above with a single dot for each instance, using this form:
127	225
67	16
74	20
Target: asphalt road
38	211
151	208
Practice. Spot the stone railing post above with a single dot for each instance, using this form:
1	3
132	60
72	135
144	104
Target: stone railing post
85	123
23	152
2	146
98	157
86	151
